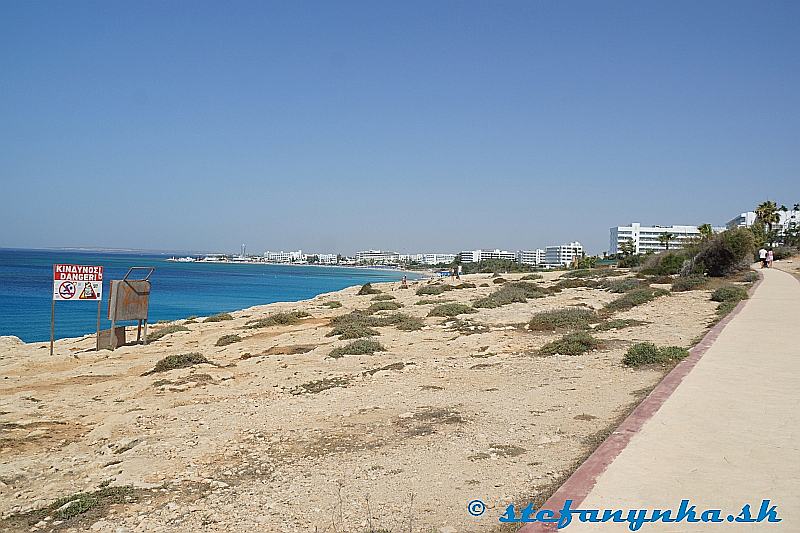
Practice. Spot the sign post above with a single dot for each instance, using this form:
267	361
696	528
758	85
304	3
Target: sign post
76	283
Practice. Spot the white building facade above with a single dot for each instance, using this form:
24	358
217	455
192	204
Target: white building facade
646	238
327	259
563	254
438	259
744	220
788	219
474	256
284	257
531	257
377	257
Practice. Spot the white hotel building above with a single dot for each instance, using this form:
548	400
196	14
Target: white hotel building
327	259
788	219
428	259
645	238
284	257
438	259
563	254
531	257
377	257
474	256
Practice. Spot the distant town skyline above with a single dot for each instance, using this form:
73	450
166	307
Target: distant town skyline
416	126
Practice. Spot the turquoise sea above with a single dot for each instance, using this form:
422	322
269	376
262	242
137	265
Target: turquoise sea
179	290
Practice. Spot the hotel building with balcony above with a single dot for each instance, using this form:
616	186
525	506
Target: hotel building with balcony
646	238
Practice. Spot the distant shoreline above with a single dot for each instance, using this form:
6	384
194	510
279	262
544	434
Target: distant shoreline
423	273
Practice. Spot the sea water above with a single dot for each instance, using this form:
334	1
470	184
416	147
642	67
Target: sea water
178	290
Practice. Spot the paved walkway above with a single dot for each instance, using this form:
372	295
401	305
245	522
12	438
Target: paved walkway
722	430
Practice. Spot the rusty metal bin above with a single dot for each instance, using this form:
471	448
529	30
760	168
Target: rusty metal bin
129	300
105	340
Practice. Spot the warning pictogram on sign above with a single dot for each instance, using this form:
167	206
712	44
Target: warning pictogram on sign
88	292
66	290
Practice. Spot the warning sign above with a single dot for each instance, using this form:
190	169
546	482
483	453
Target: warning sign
77	282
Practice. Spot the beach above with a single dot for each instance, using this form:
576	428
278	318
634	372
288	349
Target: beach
274	434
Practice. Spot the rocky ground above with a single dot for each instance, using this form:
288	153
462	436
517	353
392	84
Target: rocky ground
276	435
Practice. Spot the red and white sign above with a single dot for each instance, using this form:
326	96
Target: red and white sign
77	282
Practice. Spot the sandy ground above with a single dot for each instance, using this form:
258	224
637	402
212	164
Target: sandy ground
399	440
790	265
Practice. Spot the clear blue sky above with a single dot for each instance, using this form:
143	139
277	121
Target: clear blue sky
417	126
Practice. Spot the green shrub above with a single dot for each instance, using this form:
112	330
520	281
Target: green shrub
221	317
352	330
277	319
783	252
352	316
513	292
688	283
729	293
726	252
333	304
619	323
622	285
631	299
77	504
228	339
429	301
383	298
571	344
631	261
358	347
451	309
661	280
590	273
664	263
674	352
645	353
750	277
726	307
498	281
383	306
358	324
581	272
573	283
171	362
166	330
494	266
408	323
570	318
367	288
433	290
531	277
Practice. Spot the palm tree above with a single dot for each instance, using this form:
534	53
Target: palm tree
628	247
706	231
665	239
767	212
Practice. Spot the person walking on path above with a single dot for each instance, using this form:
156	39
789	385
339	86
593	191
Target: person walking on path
762	256
770	258
458	272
